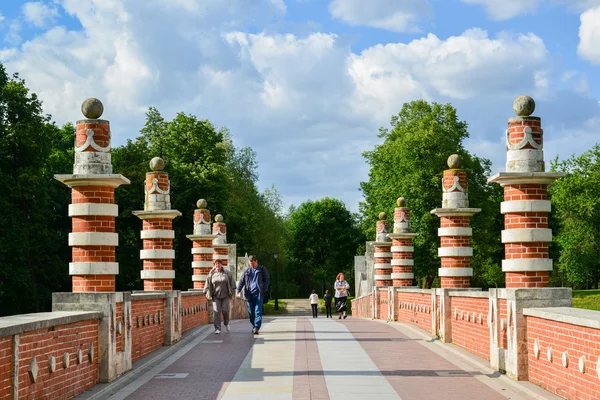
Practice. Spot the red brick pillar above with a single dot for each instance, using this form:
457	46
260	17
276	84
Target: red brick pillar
402	246
221	248
383	255
526	206
157	229
93	209
202	250
455	227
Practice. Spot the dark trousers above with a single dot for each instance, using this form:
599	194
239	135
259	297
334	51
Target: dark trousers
314	310
328	309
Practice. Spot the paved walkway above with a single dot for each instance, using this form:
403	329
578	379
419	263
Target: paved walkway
305	358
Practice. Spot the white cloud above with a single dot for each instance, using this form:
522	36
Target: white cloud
39	13
393	15
506	9
2	17
589	36
280	5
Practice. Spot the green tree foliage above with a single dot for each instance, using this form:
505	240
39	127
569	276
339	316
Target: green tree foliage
323	238
576	198
410	163
34	222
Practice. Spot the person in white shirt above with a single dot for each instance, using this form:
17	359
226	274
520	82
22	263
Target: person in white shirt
341	294
314	302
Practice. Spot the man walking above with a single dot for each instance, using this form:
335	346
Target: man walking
255	282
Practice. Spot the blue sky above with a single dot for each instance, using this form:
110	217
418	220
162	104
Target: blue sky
307	83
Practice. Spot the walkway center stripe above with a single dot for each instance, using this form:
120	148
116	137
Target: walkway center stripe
268	370
346	366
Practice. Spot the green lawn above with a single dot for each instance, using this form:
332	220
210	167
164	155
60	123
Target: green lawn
268	307
588	299
348	305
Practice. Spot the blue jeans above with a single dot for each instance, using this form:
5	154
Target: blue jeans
255	310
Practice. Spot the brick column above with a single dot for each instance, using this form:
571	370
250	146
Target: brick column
383	255
455	231
402	246
221	248
157	234
93	209
526	206
202	250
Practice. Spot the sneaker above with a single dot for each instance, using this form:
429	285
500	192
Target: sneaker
217	331
227	328
345	316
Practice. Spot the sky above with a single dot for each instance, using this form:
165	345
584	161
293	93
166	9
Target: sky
308	83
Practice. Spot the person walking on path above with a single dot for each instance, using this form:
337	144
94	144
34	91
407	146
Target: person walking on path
327	297
220	288
314	302
341	294
255	282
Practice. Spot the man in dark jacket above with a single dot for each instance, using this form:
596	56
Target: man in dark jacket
255	282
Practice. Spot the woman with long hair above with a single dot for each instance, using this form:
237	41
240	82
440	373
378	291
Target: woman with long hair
341	294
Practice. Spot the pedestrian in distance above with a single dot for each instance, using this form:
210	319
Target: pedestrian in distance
314	302
341	295
220	288
327	297
255	282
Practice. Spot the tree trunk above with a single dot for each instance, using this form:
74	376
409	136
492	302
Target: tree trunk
428	281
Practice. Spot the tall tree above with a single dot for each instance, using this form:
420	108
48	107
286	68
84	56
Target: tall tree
409	163
576	198
323	238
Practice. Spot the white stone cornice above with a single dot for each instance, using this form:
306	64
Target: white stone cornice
402	262
110	180
84	209
457	231
93	239
382	255
202	264
403	249
383	277
93	268
201	237
158	234
526	235
221	245
455	212
402	275
199	278
527	265
455	272
157	274
520	206
220	256
455	251
381	244
156	214
157	254
523	178
402	235
202	250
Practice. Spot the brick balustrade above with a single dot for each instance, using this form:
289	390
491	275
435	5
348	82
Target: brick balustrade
157	234
455	231
402	246
526	234
202	245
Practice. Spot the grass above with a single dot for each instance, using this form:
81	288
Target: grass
269	308
587	299
348	306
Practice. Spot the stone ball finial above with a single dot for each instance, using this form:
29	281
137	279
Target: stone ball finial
157	164
382	216
454	161
218	218
401	202
201	203
524	106
92	108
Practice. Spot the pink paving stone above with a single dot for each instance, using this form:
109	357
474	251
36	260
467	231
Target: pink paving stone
309	382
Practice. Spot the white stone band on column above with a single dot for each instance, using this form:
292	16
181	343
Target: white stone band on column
202	250
403	262
519	206
525	235
93	239
157	274
455	251
402	275
382	255
157	254
84	209
382	266
455	272
403	249
158	234
527	265
199	278
220	256
458	231
202	264
93	268
383	277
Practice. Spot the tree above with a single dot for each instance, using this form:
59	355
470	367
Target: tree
323	238
576	198
409	163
